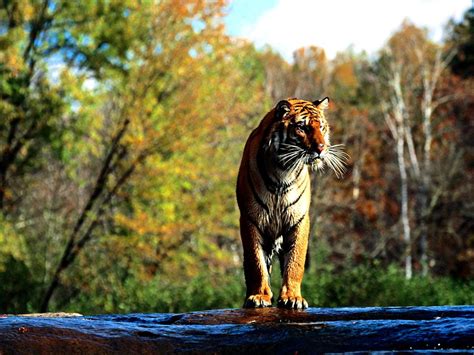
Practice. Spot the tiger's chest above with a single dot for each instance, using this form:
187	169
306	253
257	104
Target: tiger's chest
276	211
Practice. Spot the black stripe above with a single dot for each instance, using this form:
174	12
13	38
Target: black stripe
255	194
289	164
293	227
280	165
256	226
297	174
274	187
280	134
284	188
271	185
295	201
304	182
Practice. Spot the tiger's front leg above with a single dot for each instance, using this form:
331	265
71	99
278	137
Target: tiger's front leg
257	276
295	247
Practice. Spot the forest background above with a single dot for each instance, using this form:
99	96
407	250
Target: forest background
121	132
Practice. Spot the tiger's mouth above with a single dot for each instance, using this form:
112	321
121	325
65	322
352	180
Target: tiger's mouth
312	156
334	157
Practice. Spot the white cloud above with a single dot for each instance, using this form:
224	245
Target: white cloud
336	24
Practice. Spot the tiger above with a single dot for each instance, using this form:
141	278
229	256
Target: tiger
273	196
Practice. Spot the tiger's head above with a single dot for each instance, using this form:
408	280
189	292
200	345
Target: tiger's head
302	136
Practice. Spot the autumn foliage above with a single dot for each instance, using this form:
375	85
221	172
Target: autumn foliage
121	131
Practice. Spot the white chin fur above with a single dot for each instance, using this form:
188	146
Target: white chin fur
317	165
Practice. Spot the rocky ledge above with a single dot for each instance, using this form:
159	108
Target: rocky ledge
266	330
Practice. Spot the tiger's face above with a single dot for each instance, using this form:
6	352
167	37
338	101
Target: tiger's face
303	136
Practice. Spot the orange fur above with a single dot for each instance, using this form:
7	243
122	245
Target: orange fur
274	198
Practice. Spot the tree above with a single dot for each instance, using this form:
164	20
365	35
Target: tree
461	35
278	75
310	72
35	35
413	66
152	84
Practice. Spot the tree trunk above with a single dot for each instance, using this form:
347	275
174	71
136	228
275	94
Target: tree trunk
399	129
404	203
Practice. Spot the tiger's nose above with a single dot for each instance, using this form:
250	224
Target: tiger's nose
320	147
313	156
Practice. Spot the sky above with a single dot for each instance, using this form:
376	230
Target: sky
335	25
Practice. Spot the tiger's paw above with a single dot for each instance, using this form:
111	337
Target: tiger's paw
258	301
290	302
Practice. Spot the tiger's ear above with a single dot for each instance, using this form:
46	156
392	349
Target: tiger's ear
322	104
282	109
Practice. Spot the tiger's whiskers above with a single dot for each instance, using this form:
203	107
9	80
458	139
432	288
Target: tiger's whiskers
291	156
337	159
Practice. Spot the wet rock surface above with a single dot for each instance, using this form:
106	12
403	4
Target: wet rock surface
268	330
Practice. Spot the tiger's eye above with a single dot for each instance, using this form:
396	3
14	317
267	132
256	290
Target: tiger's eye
300	125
